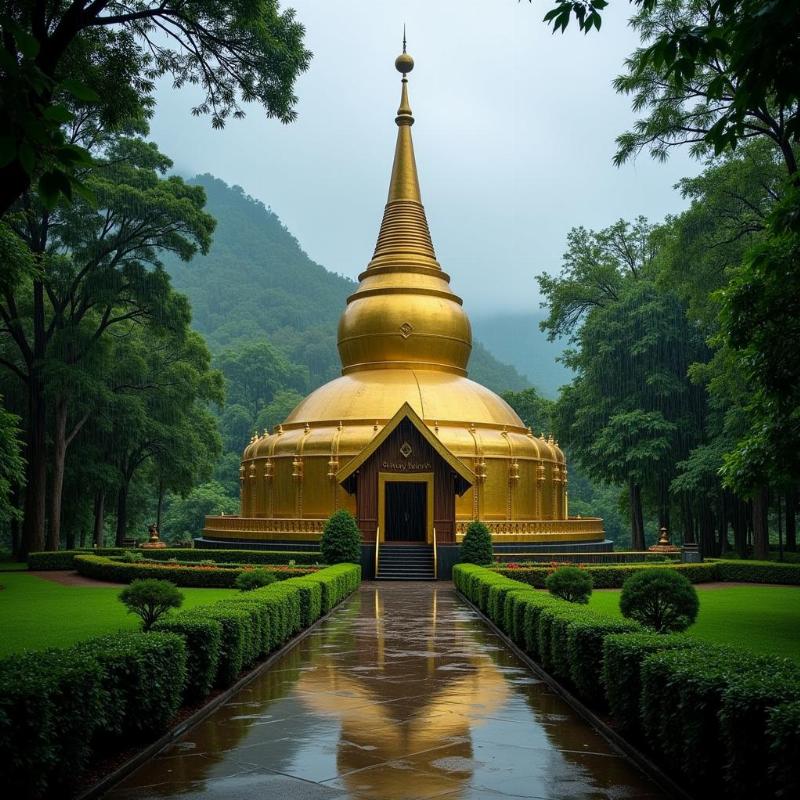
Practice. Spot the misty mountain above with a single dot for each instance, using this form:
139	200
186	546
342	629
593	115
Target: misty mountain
258	282
516	339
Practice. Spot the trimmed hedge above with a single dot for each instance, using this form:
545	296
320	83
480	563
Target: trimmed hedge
584	647
514	613
532	607
64	559
143	679
59	707
203	638
747	703
236	629
310	600
267	557
715	716
759	572
623	655
106	569
49	706
335	583
783	736
612	576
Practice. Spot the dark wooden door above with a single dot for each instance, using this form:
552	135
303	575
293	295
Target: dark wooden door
406	511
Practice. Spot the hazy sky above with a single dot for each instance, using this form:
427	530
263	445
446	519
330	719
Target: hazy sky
514	137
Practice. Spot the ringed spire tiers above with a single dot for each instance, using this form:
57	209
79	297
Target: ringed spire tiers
404	314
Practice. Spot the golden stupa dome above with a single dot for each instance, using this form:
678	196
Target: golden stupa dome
403	338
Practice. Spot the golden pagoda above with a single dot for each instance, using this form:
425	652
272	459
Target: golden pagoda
403	438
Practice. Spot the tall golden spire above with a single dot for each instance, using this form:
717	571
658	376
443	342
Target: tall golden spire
404	314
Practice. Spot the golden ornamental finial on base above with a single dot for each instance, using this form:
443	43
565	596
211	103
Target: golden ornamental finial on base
663	545
404	63
153	542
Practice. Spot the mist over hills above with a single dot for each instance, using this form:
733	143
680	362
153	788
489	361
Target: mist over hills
258	282
516	339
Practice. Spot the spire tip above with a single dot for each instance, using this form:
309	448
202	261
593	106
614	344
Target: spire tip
404	63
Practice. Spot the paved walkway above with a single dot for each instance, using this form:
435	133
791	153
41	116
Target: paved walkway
70	578
402	693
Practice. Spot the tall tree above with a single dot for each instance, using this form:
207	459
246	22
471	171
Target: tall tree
158	415
99	268
533	409
241	52
12	470
714	72
254	372
630	413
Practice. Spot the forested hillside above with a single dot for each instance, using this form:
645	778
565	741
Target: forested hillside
257	282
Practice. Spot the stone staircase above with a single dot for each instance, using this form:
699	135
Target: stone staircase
405	563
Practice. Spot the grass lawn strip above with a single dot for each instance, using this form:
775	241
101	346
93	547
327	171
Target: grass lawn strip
761	619
36	614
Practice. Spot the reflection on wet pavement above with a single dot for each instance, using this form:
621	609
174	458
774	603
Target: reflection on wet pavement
402	693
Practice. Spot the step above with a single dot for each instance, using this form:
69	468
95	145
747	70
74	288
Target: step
407	559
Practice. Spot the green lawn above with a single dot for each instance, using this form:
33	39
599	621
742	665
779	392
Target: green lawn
763	619
13	566
36	613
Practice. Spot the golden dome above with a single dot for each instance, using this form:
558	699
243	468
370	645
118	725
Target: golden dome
404	337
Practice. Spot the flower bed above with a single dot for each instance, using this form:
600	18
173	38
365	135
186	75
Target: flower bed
205	576
59	709
713	716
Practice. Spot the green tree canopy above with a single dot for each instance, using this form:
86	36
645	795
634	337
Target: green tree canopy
54	53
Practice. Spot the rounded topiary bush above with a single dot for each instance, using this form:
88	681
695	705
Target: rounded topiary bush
661	599
254	579
477	545
570	583
341	539
150	599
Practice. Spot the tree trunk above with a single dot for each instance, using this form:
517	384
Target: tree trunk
16	498
33	525
637	521
791	520
57	481
663	504
707	537
687	518
760	525
14	181
722	529
99	518
82	538
160	504
740	527
61	441
122	512
33	520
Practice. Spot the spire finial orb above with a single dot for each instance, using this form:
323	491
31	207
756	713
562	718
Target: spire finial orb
404	63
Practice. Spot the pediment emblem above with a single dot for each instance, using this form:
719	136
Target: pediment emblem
405	450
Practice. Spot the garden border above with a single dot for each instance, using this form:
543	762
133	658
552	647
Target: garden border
618	742
194	719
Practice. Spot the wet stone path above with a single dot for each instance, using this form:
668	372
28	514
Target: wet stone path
401	693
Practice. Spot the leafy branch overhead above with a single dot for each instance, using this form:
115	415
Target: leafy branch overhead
59	59
710	72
